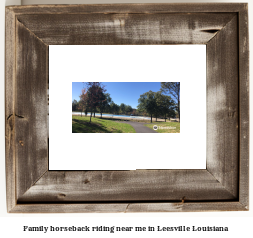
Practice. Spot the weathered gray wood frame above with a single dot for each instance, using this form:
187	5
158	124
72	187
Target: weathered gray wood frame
222	186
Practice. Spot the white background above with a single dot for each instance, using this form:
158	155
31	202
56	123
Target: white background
240	223
125	63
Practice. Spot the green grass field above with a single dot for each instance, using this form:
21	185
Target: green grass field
97	125
166	127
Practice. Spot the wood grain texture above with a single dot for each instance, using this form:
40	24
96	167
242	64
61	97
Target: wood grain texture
129	207
30	109
120	29
223	186
139	185
9	109
129	8
222	107
186	207
244	106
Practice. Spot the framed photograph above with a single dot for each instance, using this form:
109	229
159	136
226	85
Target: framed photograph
40	41
130	115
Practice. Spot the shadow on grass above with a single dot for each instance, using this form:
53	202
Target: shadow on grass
79	126
122	120
112	119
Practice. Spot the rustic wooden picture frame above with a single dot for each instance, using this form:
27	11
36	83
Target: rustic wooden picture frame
222	186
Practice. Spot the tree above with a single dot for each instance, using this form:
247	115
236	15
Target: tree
113	107
104	103
74	105
166	105
116	108
172	88
122	108
147	102
83	100
171	114
95	95
159	104
128	109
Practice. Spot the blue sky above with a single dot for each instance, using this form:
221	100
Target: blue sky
121	92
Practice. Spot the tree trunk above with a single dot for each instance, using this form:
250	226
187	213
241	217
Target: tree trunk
90	115
156	117
151	118
81	113
86	112
101	114
94	113
165	117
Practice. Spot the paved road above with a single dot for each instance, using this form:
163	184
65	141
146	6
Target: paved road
139	127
